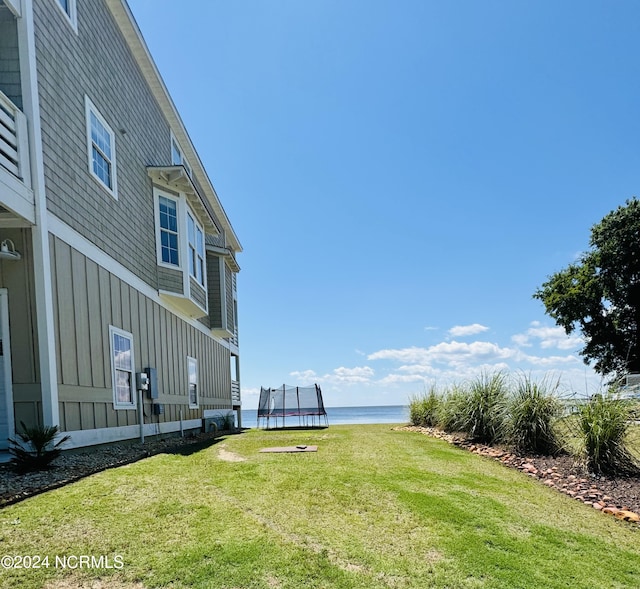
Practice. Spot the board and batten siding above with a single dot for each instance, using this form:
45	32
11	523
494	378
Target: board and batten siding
17	278
87	300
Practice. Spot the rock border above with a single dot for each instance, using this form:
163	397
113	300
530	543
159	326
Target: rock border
574	486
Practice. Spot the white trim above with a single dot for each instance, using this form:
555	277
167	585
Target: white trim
70	236
71	16
90	109
183	160
6	360
39	233
105	435
14	6
157	193
129	28
132	385
199	258
195	405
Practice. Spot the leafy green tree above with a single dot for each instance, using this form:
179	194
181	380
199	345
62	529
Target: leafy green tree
599	296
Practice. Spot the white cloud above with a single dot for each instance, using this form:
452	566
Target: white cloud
304	376
351	375
465	330
341	375
431	328
449	353
547	337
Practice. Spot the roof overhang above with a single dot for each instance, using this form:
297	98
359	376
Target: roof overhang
131	32
227	254
177	179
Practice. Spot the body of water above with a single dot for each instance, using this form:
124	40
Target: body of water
344	415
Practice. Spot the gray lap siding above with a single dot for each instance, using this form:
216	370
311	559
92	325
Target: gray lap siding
97	62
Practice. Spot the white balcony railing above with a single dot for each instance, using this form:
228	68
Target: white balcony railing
14	146
235	392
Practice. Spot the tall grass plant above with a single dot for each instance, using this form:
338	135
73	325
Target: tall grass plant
423	409
533	409
604	423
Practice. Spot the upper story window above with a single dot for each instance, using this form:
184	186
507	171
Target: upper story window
69	9
168	226
179	236
177	157
196	249
101	146
122	368
192	365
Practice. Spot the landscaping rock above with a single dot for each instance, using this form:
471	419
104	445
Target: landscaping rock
618	496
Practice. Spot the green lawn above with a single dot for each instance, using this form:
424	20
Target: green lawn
373	508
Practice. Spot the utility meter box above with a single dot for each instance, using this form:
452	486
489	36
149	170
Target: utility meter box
142	381
152	391
158	408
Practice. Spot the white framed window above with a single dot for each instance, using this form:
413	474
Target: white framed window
177	157
192	369
69	9
167	213
195	236
101	148
122	368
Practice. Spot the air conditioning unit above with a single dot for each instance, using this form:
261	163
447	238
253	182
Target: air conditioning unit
632	380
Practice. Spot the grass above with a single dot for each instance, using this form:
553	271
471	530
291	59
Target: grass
373	508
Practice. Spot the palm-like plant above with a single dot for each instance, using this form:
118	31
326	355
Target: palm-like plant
36	447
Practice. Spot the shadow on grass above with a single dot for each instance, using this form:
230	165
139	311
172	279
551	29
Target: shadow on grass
190	449
182	447
294	428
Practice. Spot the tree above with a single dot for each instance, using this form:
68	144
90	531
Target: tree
600	294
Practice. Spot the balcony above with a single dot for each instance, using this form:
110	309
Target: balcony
235	393
15	177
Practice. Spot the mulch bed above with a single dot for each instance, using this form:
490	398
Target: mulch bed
618	496
73	465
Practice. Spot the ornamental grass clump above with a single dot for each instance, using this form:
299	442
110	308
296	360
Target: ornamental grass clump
604	423
451	409
483	408
477	409
423	409
532	412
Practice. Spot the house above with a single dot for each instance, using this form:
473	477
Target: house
116	255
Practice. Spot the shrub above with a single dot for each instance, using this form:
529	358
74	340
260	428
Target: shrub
532	411
604	423
36	447
423	409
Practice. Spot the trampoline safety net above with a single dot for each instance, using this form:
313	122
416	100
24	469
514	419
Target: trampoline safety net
305	403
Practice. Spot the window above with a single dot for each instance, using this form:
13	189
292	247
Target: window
192	365
102	149
168	221
69	9
122	368
196	249
177	158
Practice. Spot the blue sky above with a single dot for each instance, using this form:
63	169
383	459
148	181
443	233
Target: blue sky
404	175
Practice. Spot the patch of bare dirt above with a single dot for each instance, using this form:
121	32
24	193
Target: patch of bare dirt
228	456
